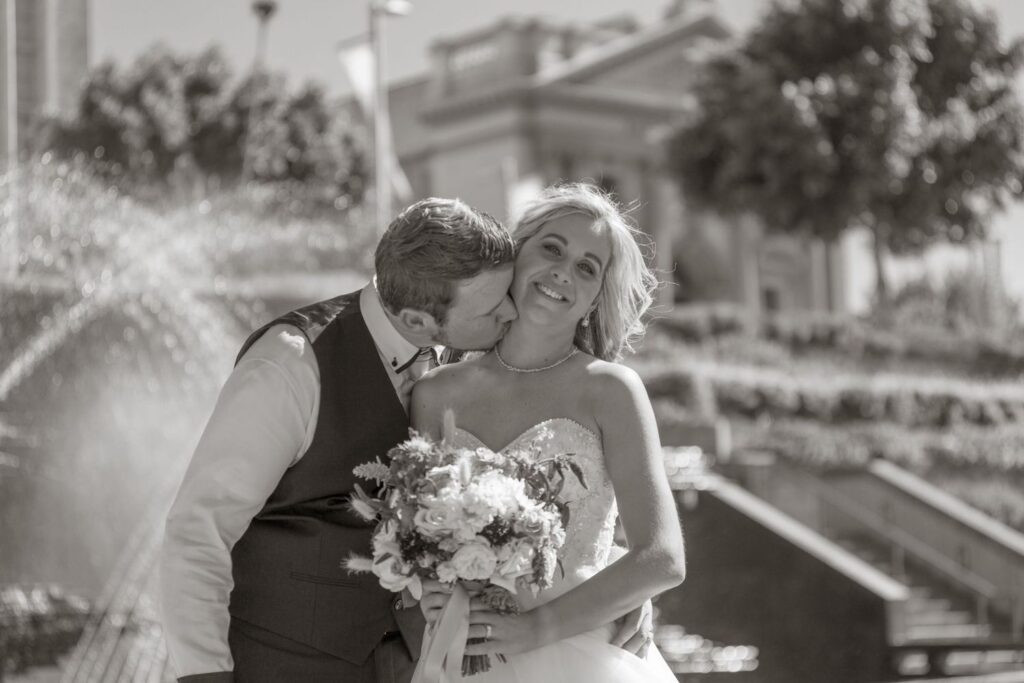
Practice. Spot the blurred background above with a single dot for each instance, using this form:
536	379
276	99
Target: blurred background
832	189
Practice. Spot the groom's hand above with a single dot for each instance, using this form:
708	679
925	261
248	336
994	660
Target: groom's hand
435	597
636	630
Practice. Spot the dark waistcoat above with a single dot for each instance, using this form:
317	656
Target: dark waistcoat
287	566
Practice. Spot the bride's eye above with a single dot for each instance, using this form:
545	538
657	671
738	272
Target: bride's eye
588	268
552	249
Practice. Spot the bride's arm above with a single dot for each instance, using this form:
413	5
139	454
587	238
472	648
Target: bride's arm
655	560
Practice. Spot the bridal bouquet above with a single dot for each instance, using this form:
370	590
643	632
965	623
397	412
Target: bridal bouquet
487	523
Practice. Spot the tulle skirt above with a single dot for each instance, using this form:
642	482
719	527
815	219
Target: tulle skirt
586	658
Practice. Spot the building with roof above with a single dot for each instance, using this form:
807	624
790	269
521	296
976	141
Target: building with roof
525	102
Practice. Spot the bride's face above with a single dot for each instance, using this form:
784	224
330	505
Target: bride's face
559	270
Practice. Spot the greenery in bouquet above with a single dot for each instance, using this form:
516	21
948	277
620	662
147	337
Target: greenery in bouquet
490	521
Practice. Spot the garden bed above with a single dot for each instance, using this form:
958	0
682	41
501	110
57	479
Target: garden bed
832	408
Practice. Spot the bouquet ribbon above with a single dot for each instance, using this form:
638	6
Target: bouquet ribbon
445	642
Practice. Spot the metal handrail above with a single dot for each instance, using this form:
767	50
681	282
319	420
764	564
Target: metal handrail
906	542
921	551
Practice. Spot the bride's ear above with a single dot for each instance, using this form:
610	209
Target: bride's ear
418	322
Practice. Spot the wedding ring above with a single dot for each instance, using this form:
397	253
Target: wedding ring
487	631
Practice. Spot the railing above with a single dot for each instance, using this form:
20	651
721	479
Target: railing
993	550
902	543
997	585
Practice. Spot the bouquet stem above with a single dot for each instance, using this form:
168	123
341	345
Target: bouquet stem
475	664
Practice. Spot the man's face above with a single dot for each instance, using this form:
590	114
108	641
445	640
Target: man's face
481	311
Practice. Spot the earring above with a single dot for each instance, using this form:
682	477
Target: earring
585	322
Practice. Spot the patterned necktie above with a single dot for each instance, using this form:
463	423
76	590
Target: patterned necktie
425	359
412	370
450	355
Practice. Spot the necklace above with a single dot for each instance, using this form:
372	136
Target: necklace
512	368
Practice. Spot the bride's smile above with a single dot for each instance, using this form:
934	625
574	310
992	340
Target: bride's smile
559	270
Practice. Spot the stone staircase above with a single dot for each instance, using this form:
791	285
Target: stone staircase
935	613
946	633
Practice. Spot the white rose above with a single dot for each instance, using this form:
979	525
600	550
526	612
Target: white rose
446	573
474	562
394	575
437	519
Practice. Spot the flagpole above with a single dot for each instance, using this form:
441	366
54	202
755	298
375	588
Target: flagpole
381	159
11	133
382	140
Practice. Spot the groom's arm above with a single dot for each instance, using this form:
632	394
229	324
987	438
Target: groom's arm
260	426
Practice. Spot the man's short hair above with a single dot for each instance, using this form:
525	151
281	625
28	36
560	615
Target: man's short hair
432	245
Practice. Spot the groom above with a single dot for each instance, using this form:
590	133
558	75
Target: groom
252	584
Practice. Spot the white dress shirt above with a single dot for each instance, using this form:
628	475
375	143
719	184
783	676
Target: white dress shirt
262	424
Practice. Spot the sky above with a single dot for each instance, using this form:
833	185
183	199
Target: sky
303	35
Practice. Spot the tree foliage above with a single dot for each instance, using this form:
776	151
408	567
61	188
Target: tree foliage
169	115
901	116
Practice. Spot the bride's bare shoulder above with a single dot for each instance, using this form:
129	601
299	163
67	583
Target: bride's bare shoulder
612	386
443	379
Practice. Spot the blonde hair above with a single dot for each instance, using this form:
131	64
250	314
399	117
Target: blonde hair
626	288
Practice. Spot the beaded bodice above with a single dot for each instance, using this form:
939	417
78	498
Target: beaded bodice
592	509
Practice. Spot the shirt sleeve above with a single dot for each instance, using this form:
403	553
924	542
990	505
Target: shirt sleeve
262	423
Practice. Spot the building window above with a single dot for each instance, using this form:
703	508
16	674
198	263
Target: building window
770	299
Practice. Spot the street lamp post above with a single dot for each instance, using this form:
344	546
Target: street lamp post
379	10
264	10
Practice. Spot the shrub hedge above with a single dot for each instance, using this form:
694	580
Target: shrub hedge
746	393
976	349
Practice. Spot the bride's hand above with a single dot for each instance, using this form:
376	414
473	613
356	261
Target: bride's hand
435	596
506	634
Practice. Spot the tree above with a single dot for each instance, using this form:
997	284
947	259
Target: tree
896	115
169	114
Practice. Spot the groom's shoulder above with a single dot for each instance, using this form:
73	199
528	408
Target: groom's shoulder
293	332
282	342
314	318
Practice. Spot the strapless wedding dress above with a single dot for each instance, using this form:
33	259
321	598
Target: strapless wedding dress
588	657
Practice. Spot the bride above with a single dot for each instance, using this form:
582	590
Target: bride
580	287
